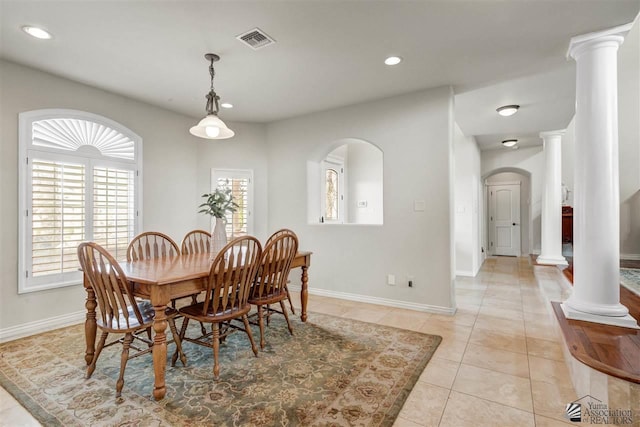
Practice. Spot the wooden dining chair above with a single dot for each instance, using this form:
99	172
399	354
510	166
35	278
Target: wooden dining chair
270	285
196	242
151	244
119	312
284	231
226	297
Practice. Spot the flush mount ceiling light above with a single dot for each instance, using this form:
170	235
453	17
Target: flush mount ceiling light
509	142
393	60
211	127
508	110
36	32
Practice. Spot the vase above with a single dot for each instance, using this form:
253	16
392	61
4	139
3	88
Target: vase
218	237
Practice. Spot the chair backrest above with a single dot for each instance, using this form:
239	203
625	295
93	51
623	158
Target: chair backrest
277	256
278	233
196	242
231	275
152	244
113	293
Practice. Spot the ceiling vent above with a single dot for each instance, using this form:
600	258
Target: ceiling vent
256	39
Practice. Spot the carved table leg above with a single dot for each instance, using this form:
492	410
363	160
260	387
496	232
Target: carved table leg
90	323
304	293
159	351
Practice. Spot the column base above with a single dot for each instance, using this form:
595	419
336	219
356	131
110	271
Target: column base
550	260
623	321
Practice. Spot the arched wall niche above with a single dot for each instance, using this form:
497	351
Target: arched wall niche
345	183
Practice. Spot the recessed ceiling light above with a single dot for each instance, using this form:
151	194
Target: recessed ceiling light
393	60
509	142
36	32
226	105
508	110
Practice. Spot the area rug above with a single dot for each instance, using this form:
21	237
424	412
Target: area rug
333	371
630	279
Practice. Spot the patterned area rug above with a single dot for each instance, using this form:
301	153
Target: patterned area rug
333	371
630	279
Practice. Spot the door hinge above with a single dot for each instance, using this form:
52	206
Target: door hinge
26	212
27	160
26	274
491	243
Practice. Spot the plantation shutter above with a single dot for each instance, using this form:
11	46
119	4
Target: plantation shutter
240	184
58	215
79	181
113	209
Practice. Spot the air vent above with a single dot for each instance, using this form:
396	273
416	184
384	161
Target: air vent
256	39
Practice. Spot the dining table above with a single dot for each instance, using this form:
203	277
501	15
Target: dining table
161	280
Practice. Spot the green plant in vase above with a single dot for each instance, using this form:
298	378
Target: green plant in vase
218	204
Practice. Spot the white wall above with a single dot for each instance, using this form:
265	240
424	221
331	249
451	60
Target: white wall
246	150
629	140
173	168
364	181
414	134
530	160
467	203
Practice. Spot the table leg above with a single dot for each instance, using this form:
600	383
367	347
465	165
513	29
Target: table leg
159	350
90	322
304	293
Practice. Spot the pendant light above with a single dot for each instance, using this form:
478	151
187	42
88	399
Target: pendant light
211	127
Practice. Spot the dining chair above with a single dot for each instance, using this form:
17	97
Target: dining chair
119	312
270	284
154	244
151	244
226	297
196	242
281	232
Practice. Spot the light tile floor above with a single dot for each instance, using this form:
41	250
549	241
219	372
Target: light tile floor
500	362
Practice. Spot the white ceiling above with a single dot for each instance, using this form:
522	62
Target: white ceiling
328	53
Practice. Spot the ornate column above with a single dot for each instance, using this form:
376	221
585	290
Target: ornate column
596	249
552	201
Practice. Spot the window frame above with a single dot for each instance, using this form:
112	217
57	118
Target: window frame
90	157
236	173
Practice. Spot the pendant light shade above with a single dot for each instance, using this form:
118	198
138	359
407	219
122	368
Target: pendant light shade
212	127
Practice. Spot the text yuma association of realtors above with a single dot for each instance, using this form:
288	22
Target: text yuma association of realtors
599	413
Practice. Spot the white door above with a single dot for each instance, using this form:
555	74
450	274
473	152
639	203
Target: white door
504	219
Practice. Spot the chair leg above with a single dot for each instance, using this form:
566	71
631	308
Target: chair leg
194	300
183	331
290	302
261	325
286	316
92	366
267	314
178	341
247	328
128	337
216	349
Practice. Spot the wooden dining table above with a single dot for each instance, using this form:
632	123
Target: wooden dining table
162	279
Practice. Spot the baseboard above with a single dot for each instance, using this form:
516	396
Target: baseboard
465	273
633	257
39	326
376	300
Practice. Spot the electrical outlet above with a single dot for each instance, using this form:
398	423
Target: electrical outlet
411	281
391	279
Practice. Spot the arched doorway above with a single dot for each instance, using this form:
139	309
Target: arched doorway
503	180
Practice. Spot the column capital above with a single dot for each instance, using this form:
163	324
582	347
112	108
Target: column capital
615	36
549	133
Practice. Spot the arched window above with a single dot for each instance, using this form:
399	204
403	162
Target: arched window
80	179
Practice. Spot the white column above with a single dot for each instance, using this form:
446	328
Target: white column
596	247
552	201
